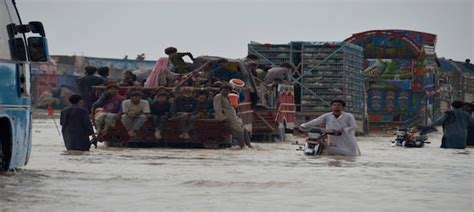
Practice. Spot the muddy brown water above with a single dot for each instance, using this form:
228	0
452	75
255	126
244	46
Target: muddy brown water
270	177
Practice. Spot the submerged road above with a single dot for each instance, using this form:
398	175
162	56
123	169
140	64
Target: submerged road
271	177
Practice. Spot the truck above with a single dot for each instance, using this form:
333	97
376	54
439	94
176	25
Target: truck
211	133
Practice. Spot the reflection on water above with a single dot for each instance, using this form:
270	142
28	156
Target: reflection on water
271	177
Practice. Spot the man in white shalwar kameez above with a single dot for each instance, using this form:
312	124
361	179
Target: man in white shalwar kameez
344	142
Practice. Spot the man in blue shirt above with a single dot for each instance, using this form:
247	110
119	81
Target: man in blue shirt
455	123
223	73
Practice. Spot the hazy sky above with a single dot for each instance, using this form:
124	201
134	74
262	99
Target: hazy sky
114	28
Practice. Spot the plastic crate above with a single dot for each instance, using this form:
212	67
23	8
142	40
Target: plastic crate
331	70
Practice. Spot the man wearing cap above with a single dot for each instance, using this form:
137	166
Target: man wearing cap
107	108
76	125
344	142
223	110
135	113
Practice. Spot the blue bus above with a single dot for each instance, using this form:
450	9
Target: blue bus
17	50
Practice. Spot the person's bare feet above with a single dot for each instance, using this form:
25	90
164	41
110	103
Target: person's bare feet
132	133
158	135
186	136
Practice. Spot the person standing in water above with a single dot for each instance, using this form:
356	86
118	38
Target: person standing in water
76	125
344	141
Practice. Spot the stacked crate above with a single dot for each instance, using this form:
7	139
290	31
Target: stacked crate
325	71
332	70
271	54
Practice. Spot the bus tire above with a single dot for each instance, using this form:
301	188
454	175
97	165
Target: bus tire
1	153
5	144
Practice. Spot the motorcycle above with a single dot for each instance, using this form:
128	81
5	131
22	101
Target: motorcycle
315	143
414	137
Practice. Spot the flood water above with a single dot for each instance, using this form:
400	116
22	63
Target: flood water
270	177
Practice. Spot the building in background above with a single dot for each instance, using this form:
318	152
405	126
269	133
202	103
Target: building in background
455	82
59	75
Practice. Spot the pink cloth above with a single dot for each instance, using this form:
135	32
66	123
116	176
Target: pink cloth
152	79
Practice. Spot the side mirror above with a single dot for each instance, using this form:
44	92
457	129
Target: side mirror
17	49
38	49
37	27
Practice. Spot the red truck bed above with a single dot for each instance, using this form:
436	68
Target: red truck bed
206	133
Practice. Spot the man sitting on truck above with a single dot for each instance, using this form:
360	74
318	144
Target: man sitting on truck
160	110
223	73
184	108
223	110
135	113
129	79
204	106
176	58
106	109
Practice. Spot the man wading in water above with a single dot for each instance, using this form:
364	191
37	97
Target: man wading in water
455	123
344	141
76	125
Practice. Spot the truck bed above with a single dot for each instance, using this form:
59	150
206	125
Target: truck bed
206	133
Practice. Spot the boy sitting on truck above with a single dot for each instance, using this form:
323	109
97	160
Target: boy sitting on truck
204	106
160	110
134	113
106	109
184	108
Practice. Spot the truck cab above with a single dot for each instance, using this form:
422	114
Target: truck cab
16	52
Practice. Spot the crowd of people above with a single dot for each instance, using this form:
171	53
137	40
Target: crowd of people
153	100
159	106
